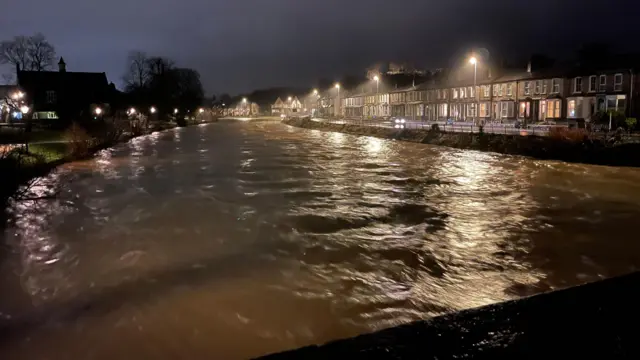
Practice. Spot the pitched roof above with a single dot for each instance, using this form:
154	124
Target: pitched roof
80	81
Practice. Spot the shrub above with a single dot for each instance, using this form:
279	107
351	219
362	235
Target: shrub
78	140
435	127
565	134
631	123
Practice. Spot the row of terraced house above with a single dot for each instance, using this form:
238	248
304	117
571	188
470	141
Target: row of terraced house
550	95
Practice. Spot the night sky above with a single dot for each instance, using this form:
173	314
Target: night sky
241	45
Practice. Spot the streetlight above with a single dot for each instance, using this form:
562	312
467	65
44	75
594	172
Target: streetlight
289	99
17	95
175	111
338	99
98	111
24	109
474	62
201	110
153	110
315	91
132	111
377	80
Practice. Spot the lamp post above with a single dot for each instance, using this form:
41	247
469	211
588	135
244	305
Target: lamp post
377	80
338	100
24	109
474	61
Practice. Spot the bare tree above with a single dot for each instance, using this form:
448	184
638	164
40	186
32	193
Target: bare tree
41	53
137	74
158	65
15	52
28	52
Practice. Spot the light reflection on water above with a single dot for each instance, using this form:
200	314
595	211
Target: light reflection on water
239	239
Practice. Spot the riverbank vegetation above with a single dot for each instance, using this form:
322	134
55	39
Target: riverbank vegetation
561	144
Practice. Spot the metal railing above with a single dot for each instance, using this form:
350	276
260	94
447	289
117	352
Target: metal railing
444	126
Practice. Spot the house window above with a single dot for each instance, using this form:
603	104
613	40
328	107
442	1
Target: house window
495	90
603	83
471	110
486	90
555	86
51	97
544	87
463	93
524	109
484	109
616	102
455	93
571	109
471	92
527	87
538	87
501	90
553	109
509	89
506	109
442	110
577	85
592	83
617	82
444	94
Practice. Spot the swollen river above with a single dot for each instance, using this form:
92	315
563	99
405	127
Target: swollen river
240	239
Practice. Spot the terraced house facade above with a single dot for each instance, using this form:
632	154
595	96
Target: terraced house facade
555	96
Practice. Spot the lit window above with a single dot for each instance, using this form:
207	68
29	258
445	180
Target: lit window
571	108
484	109
501	90
553	109
555	86
577	85
495	90
442	110
603	83
506	109
487	90
617	82
471	92
509	89
592	83
523	109
527	87
455	93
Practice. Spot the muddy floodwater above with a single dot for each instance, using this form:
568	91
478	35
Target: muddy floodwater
239	239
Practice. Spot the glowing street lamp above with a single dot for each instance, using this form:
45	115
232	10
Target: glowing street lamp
244	100
175	111
153	110
132	111
24	109
474	62
338	99
377	80
289	98
17	95
201	110
315	91
98	111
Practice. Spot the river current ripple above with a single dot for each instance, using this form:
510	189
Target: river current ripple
239	239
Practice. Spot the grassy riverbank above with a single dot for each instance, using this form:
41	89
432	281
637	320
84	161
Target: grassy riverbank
582	150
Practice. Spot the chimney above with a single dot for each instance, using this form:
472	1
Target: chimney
62	66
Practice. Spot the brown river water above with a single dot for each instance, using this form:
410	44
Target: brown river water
233	240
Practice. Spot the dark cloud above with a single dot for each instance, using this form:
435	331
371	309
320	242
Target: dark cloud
245	44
